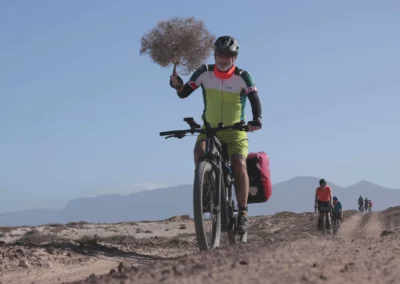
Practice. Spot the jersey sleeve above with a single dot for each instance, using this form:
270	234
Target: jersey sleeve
197	77
249	83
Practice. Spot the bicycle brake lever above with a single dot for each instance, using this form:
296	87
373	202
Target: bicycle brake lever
179	136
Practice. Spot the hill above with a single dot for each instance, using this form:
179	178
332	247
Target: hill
296	195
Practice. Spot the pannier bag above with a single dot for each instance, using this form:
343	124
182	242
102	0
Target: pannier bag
259	177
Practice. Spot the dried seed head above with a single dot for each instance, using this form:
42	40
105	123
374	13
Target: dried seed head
183	42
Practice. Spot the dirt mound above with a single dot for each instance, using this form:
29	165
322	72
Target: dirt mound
46	255
302	261
393	219
179	218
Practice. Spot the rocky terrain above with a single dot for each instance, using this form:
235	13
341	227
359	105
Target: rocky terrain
282	248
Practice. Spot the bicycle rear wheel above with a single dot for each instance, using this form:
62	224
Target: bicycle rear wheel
206	200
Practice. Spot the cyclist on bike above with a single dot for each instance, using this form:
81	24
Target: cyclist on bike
337	211
360	202
366	204
370	204
225	90
323	200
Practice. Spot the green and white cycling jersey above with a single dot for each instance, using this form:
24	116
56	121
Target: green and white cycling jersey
224	93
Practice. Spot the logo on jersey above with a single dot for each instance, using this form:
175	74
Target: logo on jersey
192	85
251	89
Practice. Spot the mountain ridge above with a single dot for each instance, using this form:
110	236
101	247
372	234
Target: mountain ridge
295	194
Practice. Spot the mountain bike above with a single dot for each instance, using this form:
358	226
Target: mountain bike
335	224
212	187
322	227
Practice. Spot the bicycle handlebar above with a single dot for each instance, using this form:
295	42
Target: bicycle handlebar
196	128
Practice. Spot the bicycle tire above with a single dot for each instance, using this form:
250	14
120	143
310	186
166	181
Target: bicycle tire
202	168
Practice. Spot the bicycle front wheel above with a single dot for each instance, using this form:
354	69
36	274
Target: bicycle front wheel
206	200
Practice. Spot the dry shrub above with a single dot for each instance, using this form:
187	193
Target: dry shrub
33	232
119	239
88	240
37	238
183	42
54	225
56	230
6	229
80	224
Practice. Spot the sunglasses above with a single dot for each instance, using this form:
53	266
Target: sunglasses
224	54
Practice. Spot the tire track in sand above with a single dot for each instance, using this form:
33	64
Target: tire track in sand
371	226
362	225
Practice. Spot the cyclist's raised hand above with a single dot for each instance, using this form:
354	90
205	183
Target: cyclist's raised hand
175	81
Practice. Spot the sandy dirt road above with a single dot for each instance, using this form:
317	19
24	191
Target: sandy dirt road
284	248
359	254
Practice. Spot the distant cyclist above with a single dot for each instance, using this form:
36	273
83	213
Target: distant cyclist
360	202
369	205
323	200
366	204
337	211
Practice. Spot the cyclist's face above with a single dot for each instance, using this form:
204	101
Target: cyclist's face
323	185
224	61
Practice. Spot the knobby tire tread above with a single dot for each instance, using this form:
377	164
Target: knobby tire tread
200	171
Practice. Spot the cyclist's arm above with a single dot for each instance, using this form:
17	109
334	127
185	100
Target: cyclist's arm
194	82
252	94
255	104
316	196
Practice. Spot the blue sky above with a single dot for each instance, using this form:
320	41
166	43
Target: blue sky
81	110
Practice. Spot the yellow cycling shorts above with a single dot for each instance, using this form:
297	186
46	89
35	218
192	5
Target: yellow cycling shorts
236	141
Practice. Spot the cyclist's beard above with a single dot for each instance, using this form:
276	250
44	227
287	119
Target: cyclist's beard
223	67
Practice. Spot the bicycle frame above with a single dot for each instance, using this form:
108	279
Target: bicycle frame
216	153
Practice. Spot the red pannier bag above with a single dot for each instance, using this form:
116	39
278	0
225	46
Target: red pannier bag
259	177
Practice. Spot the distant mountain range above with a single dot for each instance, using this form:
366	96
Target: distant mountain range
296	194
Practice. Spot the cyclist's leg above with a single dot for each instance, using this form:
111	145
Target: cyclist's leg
320	216
199	148
328	221
327	214
239	169
237	145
